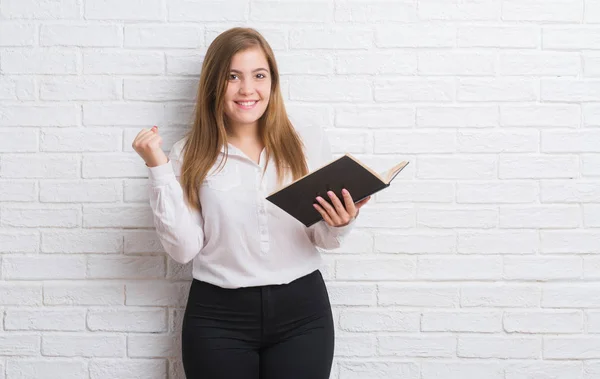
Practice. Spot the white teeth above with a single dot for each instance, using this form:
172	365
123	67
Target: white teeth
246	103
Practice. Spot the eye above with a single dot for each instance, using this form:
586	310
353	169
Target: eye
233	76
261	76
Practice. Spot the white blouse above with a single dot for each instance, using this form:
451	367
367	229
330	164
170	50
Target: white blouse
240	239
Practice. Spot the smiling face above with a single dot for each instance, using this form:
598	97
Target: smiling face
248	88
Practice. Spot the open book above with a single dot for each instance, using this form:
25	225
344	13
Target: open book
347	172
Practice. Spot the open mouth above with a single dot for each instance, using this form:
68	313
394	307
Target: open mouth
246	104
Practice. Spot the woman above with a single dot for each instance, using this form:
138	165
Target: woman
258	306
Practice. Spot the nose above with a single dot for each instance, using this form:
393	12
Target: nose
246	87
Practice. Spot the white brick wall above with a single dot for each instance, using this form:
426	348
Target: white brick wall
481	261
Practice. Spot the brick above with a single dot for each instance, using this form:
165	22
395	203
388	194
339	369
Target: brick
19	242
39	115
570	90
43	267
591	215
520	166
41	216
352	345
34	368
542	269
39	61
80	140
462	321
497	192
541	116
85	293
462	11
82	241
456	63
569	241
590	164
591	267
74	345
373	12
126	267
74	192
208	11
39	166
500	142
400	63
331	38
499	36
328	90
584	347
375	268
592	15
163	36
375	320
358	242
414	142
417	35
570	191
276	37
137	114
18	140
418	295
109	62
16	88
461	370
546	216
501	347
538	10
378	369
570	295
177	271
80	89
541	369
498	242
113	166
378	116
159	89
570	37
349	141
540	64
457	268
269	11
40	10
415	243
352	294
21	294
157	294
535	322
153	346
388	217
591	64
66	319
500	295
134	369
130	319
135	191
414	90
17	33
461	217
187	64
421	346
422	191
592	321
142	241
457	116
147	10
504	89
462	167
128	216
86	35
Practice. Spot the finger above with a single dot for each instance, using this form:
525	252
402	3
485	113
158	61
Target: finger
350	207
337	204
329	209
362	202
324	214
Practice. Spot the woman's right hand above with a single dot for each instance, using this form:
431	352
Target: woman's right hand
148	145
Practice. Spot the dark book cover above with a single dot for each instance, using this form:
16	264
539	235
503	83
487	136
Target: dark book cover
297	198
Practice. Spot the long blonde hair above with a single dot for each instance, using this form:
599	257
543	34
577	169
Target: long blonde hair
208	133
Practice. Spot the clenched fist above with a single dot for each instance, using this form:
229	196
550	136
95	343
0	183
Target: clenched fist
148	145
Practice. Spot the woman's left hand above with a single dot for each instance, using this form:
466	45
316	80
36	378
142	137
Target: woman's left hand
338	214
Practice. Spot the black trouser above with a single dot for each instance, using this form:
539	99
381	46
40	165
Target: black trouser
269	332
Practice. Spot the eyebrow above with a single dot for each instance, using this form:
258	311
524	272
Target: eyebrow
256	70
